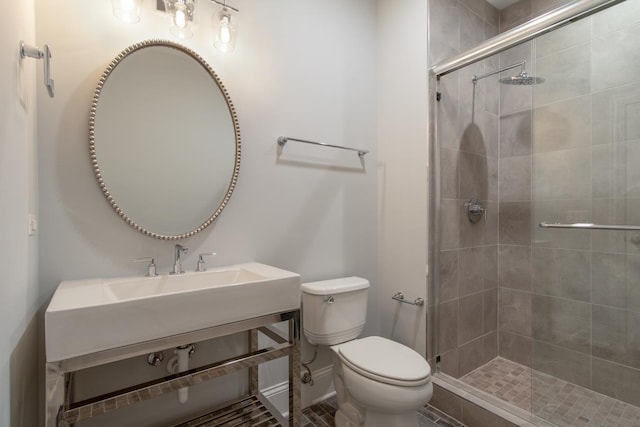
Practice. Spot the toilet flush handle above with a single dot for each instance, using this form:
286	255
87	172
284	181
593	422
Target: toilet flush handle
329	299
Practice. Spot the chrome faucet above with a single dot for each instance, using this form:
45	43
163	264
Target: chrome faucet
177	264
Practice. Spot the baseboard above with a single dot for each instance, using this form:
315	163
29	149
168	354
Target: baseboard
322	389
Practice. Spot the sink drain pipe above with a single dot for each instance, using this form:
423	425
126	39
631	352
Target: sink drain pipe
180	363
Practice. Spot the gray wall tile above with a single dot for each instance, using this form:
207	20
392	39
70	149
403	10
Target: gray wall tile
514	227
617	381
450	224
562	273
562	322
512	15
569	365
473	176
471	271
449	363
616	336
538	7
570	35
608	277
449	267
470	355
492	179
477	6
490	346
449	173
567	74
602	171
490	311
515	179
448	326
616	58
615	18
471	24
515	134
470	318
562	125
514	269
491	223
515	347
490	267
514	311
608	125
491	133
444	25
562	175
632	282
491	14
448	111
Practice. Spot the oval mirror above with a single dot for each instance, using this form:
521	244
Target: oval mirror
164	140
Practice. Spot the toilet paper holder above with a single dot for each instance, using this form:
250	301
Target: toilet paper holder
399	296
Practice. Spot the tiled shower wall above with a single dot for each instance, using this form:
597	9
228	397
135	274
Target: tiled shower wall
569	301
468	126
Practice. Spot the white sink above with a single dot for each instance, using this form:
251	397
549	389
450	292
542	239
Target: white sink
86	316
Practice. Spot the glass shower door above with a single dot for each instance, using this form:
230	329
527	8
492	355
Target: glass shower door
585	169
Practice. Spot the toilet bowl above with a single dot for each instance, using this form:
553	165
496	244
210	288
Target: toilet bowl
387	381
378	382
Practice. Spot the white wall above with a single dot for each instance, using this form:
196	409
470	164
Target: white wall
402	174
301	69
18	253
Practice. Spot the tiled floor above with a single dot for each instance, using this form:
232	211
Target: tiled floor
321	415
557	401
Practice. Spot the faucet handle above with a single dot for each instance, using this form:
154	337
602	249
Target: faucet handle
201	266
151	268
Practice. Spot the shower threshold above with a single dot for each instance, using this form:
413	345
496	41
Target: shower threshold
558	402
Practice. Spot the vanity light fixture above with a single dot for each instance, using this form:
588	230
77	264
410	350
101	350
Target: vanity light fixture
181	13
127	10
224	24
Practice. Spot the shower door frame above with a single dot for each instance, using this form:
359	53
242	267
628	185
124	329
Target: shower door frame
536	27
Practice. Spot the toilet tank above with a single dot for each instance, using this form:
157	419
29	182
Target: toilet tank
334	311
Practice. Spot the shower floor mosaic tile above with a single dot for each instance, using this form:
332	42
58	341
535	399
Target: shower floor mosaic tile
557	401
321	415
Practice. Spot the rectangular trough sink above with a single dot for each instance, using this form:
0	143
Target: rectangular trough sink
92	315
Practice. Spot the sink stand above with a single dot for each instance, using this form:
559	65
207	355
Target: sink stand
62	412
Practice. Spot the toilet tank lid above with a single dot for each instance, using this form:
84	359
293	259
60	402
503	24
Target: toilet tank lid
335	286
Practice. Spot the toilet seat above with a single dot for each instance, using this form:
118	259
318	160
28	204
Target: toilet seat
385	361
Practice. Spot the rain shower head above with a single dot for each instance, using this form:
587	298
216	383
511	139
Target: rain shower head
522	79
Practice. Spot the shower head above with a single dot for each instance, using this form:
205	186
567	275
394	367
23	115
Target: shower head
522	79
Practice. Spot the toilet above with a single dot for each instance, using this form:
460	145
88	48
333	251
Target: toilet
378	382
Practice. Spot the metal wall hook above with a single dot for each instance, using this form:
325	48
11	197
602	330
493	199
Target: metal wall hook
34	52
